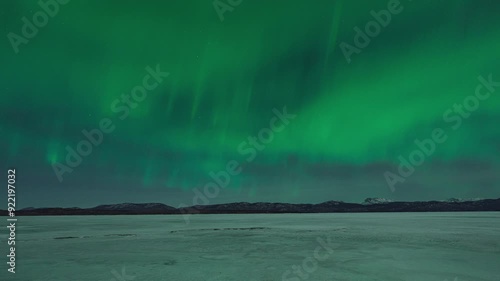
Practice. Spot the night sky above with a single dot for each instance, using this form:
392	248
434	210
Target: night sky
353	119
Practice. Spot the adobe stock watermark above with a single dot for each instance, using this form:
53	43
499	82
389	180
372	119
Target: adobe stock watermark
49	9
121	276
453	116
123	107
223	6
249	148
372	29
310	264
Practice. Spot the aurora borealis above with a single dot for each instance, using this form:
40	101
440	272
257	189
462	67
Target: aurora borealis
353	119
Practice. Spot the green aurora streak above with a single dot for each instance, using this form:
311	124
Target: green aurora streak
353	119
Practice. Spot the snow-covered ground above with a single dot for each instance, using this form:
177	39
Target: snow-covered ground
267	247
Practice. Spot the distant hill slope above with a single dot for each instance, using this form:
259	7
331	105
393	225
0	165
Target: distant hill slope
369	205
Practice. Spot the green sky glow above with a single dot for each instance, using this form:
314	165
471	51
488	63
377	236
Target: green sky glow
353	119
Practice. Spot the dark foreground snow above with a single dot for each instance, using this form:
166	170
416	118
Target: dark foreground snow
294	247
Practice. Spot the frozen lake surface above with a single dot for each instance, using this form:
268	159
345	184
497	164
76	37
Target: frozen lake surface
260	247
